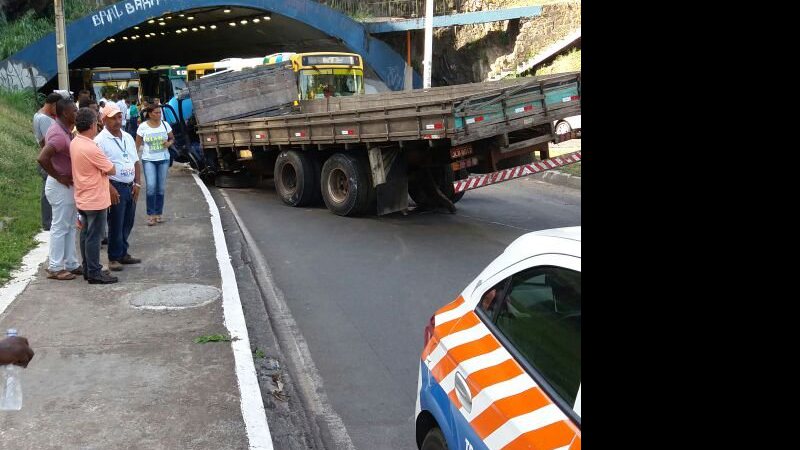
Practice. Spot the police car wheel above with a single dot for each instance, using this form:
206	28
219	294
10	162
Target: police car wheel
434	440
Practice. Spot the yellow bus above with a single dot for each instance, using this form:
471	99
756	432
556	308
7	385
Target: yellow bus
341	73
120	78
195	71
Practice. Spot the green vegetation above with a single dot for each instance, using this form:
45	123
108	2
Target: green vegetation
563	148
20	184
571	62
212	338
258	353
30	27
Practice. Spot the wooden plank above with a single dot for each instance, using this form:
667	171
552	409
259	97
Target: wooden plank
260	91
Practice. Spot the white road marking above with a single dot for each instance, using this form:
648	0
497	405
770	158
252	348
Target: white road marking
255	418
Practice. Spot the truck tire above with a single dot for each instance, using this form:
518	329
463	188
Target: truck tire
294	178
233	180
443	177
460	175
346	186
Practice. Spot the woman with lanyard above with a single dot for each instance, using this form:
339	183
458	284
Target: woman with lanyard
154	137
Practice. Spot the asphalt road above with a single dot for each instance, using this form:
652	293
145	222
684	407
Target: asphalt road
362	289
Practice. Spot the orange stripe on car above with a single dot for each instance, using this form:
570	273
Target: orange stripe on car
502	410
464	352
454	398
576	444
484	378
451	306
549	437
466	321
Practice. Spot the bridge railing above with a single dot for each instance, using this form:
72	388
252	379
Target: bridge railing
392	8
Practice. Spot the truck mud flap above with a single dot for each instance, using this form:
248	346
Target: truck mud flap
388	168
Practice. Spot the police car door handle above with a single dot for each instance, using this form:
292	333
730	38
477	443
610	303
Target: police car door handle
463	393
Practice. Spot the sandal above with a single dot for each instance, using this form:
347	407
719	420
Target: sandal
61	275
151	220
159	219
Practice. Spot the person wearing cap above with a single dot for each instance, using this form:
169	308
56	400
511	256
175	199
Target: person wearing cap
124	186
42	120
90	171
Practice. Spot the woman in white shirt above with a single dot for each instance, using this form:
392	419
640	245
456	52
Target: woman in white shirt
154	137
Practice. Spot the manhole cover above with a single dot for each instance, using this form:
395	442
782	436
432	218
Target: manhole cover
175	296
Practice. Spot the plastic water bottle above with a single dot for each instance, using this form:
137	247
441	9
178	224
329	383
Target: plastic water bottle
11	399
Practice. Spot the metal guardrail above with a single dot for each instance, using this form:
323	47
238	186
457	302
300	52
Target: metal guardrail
392	8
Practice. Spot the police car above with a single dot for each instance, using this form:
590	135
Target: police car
501	364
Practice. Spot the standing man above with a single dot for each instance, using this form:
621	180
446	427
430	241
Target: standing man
125	185
55	160
84	95
133	121
42	120
91	168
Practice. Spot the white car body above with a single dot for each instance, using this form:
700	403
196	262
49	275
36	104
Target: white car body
567	124
469	370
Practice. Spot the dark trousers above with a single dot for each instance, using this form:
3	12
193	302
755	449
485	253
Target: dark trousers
91	235
132	126
120	221
47	210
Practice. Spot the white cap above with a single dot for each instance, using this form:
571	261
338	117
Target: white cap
64	93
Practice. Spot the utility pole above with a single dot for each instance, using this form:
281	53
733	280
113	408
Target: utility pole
426	75
61	46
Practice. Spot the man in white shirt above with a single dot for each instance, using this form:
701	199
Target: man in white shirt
124	185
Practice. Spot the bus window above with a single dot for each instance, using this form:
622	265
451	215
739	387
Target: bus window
345	82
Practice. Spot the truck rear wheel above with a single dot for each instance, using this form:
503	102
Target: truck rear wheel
433	187
294	178
346	186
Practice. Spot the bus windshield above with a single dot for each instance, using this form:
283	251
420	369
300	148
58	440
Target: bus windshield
178	84
340	82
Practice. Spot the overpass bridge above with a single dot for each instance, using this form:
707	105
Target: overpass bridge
144	33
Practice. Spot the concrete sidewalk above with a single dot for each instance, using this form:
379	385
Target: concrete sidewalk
108	375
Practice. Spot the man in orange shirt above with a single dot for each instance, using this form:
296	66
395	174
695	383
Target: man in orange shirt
90	170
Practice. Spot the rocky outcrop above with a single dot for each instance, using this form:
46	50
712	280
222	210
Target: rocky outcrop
556	22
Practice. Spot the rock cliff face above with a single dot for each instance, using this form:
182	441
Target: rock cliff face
470	53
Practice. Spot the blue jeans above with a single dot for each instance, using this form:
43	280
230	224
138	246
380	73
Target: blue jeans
120	221
155	176
91	235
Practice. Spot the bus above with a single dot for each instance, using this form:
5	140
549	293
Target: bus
341	73
195	71
163	82
121	79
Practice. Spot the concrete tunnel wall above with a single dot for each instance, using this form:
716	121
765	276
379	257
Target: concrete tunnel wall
34	65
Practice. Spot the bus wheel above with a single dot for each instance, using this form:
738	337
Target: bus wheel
294	178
